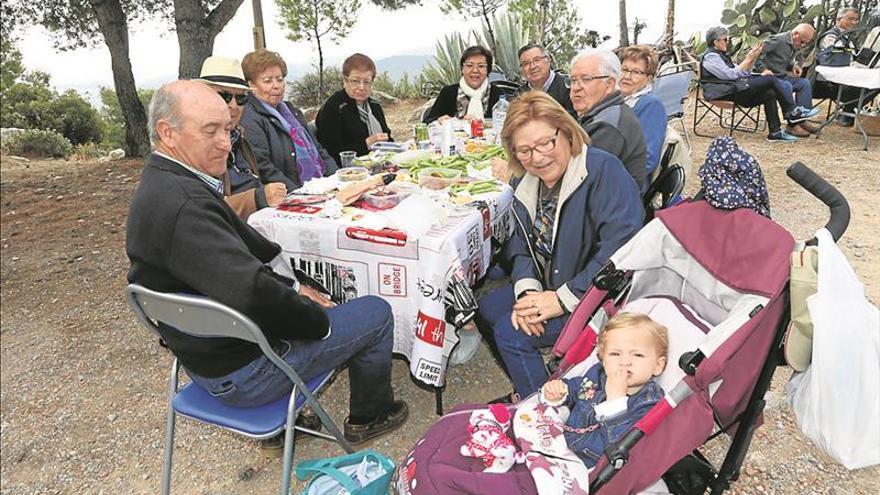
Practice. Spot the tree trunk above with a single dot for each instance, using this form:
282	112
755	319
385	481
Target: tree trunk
196	32
543	7
489	27
624	30
113	24
669	32
320	53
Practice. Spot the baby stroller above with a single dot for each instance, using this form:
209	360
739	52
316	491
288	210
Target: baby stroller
718	281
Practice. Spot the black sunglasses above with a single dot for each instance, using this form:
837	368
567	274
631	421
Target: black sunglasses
240	100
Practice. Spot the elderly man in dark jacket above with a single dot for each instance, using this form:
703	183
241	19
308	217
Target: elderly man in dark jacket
536	66
779	58
182	237
601	111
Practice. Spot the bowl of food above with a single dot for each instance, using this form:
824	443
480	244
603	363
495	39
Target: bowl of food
351	174
438	178
389	196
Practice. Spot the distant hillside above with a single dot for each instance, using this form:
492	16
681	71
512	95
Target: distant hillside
397	65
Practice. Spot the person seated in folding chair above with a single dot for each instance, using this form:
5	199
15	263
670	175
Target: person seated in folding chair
182	237
778	57
638	64
721	79
601	112
536	66
833	49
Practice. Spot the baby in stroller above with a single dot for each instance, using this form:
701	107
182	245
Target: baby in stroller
615	392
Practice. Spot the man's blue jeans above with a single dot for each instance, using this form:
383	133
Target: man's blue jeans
520	352
362	335
801	88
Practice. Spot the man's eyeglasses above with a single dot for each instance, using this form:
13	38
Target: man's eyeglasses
534	61
525	152
240	99
359	82
583	80
479	67
632	72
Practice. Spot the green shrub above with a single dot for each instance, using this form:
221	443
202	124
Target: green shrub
36	143
304	91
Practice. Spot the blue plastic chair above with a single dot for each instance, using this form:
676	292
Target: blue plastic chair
203	317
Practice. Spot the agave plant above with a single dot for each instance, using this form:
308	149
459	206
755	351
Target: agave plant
510	34
444	69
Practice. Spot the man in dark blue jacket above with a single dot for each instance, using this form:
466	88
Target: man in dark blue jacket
182	237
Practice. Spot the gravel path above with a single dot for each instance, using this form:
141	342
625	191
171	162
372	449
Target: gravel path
83	386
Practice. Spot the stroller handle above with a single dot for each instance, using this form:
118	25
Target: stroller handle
826	193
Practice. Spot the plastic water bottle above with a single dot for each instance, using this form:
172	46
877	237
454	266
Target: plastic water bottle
447	142
499	113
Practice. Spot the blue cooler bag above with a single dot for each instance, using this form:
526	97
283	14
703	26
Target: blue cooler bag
366	472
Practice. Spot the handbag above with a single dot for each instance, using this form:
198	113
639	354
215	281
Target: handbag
366	472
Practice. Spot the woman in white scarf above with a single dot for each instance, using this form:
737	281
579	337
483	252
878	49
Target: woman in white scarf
473	96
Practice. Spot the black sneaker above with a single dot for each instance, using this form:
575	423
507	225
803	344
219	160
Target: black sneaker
845	121
380	425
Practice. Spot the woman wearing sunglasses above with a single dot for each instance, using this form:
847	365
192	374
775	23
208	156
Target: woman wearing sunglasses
248	184
350	120
277	130
574	205
472	97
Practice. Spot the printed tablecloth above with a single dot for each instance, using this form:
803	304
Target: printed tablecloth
415	275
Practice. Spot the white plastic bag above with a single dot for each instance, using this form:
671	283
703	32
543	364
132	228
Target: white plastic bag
837	399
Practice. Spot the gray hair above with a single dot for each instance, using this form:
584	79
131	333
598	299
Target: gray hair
609	64
714	34
843	11
164	105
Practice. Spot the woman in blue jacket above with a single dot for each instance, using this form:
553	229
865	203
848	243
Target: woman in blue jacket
574	206
638	65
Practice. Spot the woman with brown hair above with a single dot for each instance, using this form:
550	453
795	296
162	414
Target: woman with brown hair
574	205
278	131
350	120
638	66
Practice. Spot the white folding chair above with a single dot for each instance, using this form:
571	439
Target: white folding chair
200	316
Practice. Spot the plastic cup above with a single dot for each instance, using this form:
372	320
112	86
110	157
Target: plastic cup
346	158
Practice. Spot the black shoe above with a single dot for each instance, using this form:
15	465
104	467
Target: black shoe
511	398
380	425
845	121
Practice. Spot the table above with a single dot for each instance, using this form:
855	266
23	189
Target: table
867	80
426	279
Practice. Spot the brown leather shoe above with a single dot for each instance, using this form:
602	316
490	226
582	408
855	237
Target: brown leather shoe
797	130
807	126
380	425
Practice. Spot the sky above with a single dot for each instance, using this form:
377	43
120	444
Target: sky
379	34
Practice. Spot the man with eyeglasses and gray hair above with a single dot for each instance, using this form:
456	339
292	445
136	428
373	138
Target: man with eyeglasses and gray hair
601	111
536	67
835	49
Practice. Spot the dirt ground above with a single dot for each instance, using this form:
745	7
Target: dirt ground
83	386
